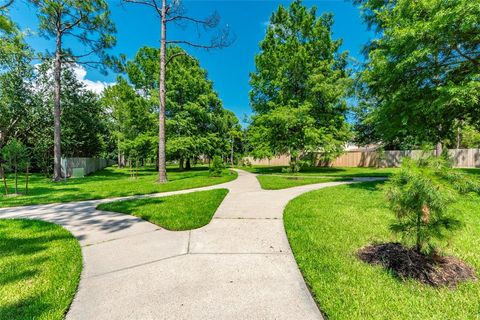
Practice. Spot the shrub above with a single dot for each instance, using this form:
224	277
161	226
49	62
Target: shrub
16	157
217	167
421	195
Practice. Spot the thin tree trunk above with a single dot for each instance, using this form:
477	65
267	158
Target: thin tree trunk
162	165
16	181
231	155
26	181
418	245
188	165
4	178
180	163
57	151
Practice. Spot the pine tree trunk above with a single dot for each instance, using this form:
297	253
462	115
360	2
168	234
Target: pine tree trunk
4	178
26	180
162	165
57	151
231	155
16	181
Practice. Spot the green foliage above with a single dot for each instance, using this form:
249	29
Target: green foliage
217	166
84	125
85	22
197	124
16	158
299	87
15	154
423	68
421	195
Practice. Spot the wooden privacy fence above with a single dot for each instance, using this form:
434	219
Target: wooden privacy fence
462	158
89	165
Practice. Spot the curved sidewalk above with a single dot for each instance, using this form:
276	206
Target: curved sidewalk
239	266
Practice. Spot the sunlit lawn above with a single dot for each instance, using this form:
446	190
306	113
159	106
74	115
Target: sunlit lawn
326	228
40	265
273	182
178	212
110	182
324	171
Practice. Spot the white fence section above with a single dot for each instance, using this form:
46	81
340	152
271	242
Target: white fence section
89	165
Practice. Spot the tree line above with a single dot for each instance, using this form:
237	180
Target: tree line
417	87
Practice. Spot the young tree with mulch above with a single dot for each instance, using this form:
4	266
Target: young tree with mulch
421	195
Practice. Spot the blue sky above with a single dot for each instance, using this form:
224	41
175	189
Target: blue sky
229	68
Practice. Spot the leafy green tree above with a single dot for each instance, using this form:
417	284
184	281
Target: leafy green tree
83	118
16	157
421	75
131	116
85	22
299	87
421	195
197	124
171	12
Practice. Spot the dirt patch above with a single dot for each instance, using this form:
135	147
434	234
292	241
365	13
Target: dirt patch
406	263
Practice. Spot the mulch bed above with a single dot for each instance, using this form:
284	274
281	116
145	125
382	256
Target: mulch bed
407	263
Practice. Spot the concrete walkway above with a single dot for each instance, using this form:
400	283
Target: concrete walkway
239	266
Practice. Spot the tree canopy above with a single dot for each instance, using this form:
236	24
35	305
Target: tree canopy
421	76
299	87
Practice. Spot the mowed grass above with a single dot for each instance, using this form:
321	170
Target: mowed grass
178	212
269	182
107	183
327	227
40	265
324	171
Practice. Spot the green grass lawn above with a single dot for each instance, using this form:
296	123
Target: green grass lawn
107	183
177	212
327	227
324	171
269	182
40	265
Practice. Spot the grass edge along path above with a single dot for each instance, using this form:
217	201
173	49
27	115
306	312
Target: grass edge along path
40	265
325	229
176	213
275	182
111	182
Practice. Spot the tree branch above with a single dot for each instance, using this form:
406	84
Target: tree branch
6	5
457	49
151	3
173	56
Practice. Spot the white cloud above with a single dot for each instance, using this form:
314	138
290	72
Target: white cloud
95	86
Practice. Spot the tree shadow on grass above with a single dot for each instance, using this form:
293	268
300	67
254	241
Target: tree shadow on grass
28	308
367	186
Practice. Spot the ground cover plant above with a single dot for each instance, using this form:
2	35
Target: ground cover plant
178	212
40	268
112	182
327	227
269	182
